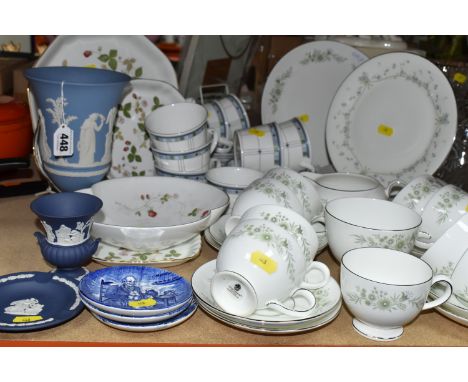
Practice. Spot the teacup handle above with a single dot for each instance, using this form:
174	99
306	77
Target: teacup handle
214	140
231	223
448	292
421	244
310	175
280	308
307	165
396	184
322	269
226	145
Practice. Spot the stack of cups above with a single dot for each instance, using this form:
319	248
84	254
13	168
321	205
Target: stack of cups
226	115
266	260
264	147
181	141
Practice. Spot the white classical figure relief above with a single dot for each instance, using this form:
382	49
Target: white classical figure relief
87	142
66	235
106	158
26	307
45	150
49	231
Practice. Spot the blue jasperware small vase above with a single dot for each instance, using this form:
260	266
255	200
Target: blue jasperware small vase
67	257
86	101
66	216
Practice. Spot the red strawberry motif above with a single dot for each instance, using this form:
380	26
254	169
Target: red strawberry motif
152	213
87	53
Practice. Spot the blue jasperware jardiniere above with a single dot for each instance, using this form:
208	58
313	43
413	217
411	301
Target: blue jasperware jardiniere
86	101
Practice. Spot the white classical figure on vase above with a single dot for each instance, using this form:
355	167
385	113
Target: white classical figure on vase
87	142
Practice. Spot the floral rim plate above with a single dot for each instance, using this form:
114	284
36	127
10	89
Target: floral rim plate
447	313
131	153
302	84
133	55
327	299
37	300
394	117
135	290
107	254
151	327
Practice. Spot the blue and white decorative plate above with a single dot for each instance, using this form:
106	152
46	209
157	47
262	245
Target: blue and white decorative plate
37	300
130	319
176	320
136	290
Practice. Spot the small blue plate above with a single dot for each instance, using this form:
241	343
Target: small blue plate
176	320
37	300
135	290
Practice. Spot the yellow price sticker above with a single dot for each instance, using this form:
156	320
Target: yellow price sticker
466	209
304	118
257	132
92	66
460	78
142	303
22	319
385	130
264	262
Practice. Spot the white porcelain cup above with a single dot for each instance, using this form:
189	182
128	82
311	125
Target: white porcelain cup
386	289
303	188
448	250
347	185
295	145
284	218
259	266
442	211
196	161
363	222
216	118
235	114
266	191
257	148
232	180
417	193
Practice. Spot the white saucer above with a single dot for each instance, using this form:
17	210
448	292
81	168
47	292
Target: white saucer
217	229
111	256
210	240
328	301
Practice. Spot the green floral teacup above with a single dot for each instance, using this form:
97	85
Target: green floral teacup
386	289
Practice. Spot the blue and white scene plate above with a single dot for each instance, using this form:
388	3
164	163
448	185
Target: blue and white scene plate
136	290
133	320
176	320
37	300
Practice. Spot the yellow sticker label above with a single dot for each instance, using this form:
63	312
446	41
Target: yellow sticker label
459	77
385	130
27	318
304	118
466	209
90	66
142	303
257	132
263	261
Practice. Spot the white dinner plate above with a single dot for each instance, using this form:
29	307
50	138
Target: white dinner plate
394	117
302	84
131	152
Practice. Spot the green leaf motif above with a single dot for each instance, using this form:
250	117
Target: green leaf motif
131	157
113	64
134	173
103	58
141	126
133	149
138	158
142	173
139	72
113	53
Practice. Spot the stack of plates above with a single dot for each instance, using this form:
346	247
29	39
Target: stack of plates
137	298
266	321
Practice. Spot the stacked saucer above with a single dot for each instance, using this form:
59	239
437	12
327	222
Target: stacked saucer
137	298
328	305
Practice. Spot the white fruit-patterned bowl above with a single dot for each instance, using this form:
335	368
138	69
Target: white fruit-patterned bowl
152	213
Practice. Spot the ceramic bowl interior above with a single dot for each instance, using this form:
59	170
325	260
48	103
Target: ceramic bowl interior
346	182
233	177
156	201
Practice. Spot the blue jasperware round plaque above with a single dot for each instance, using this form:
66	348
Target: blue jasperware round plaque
37	300
136	290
